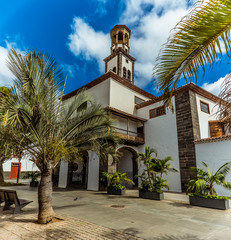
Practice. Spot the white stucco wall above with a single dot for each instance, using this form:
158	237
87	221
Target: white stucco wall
112	63
215	154
100	93
123	98
26	164
93	172
204	118
161	134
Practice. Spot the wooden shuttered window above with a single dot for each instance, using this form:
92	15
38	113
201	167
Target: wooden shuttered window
156	112
216	128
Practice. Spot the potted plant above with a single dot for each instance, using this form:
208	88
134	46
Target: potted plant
115	182
152	183
201	188
34	178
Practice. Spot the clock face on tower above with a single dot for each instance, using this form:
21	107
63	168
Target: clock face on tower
120	61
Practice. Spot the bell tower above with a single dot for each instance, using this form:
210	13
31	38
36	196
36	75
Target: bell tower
120	61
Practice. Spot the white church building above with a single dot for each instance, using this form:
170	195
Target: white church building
192	133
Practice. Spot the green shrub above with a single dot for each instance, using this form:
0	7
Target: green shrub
116	180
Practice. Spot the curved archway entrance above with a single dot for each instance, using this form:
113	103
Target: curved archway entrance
78	173
127	163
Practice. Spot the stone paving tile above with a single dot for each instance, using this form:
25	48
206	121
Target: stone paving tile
24	227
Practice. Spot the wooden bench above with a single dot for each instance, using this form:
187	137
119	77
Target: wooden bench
11	198
2	196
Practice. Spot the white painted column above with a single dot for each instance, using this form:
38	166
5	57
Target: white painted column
93	172
63	172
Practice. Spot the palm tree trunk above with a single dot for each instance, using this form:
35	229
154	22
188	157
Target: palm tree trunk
211	190
149	177
46	212
1	172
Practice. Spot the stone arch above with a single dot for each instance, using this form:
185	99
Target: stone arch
78	172
129	75
128	163
124	72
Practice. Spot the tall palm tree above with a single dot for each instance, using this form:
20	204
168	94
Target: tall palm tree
47	128
196	41
6	149
204	181
148	161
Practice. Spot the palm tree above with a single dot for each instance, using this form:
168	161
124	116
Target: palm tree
46	128
116	179
196	41
163	166
6	149
204	181
148	161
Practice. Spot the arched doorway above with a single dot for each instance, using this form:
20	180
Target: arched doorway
128	163
78	172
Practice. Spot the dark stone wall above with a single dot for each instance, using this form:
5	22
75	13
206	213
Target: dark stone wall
187	130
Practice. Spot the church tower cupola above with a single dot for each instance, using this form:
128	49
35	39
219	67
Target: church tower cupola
120	62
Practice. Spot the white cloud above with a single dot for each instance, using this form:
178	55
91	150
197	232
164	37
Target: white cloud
214	87
150	22
70	69
5	74
85	41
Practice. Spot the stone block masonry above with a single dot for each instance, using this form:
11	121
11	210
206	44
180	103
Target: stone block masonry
188	131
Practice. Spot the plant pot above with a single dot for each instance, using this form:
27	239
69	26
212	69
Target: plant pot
151	195
222	204
115	191
34	184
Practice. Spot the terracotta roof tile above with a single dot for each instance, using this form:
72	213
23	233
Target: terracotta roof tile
213	139
115	77
190	86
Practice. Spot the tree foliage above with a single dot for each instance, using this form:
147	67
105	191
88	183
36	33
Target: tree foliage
154	168
116	180
204	181
198	39
44	126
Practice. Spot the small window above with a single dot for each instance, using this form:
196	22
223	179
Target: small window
114	70
126	61
124	72
120	36
205	107
82	107
156	112
129	75
138	100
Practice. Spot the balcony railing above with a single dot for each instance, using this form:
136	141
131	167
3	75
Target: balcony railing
130	136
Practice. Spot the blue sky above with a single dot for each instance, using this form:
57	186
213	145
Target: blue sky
76	32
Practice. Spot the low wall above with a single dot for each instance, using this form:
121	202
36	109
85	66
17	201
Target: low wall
215	153
27	165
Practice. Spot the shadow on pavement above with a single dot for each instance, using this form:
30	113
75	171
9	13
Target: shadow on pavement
180	204
68	206
174	237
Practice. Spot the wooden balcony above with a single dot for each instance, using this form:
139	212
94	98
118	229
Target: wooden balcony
130	137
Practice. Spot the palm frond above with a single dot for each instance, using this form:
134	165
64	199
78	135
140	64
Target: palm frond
195	42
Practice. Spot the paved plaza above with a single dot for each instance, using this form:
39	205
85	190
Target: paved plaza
96	215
